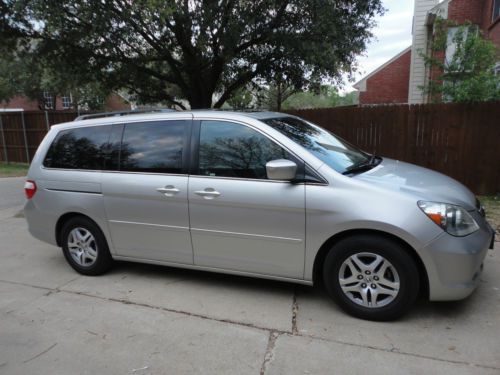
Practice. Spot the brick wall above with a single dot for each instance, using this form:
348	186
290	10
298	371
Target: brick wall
390	84
491	27
479	12
462	11
22	102
494	33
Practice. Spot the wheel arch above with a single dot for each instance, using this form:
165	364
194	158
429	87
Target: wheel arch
325	248
64	219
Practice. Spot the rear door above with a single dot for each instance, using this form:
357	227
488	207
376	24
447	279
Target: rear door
240	220
145	190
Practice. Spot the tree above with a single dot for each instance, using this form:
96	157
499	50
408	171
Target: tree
325	97
241	99
165	51
466	72
279	91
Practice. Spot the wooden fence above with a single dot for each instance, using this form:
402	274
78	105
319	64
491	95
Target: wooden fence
22	132
460	140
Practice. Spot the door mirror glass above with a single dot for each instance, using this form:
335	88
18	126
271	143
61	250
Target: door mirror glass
281	169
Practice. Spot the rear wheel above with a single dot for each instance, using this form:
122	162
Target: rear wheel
371	277
85	247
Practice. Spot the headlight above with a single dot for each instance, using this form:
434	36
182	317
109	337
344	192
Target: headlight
453	219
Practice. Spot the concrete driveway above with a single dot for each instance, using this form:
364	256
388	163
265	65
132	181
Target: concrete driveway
142	319
11	192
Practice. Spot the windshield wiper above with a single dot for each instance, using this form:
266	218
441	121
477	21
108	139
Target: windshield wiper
365	166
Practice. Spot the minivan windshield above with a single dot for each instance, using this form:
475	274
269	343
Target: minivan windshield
334	151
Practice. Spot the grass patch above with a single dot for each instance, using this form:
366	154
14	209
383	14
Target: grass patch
492	207
13	169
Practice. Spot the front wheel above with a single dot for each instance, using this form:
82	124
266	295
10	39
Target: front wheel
371	277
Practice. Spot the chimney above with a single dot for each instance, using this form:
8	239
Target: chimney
420	34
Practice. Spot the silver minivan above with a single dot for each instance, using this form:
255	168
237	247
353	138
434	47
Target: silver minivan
256	194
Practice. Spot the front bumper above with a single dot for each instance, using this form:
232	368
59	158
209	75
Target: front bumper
457	263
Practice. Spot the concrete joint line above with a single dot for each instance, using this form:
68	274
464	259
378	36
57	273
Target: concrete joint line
269	355
275	332
295	312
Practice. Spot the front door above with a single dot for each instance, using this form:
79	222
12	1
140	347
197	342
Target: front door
145	191
240	220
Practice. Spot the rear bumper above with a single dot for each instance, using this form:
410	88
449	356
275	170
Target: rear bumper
457	264
40	225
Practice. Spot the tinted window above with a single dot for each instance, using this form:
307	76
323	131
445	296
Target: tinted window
112	157
334	151
82	148
233	150
153	147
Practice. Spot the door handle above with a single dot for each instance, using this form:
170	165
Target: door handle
208	193
168	190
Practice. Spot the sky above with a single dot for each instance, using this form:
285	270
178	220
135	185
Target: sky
391	35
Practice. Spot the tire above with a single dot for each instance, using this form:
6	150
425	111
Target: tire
84	247
371	277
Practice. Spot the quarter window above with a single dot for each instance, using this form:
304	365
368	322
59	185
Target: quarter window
82	148
153	147
233	150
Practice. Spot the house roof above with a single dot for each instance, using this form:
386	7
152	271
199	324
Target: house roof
361	84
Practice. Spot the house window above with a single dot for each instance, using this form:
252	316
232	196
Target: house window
451	46
496	9
66	101
48	100
457	36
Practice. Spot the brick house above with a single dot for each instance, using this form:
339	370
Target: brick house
114	102
399	80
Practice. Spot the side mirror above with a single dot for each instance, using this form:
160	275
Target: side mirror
281	169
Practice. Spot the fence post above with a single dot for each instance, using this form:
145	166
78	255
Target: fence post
25	137
47	120
4	144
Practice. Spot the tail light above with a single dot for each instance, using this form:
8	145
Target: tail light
29	188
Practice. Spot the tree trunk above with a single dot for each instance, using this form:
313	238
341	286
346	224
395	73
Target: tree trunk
200	99
278	96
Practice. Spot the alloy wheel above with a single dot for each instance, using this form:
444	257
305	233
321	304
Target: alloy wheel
369	280
82	247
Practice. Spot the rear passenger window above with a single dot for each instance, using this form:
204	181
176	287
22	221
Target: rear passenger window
153	147
82	148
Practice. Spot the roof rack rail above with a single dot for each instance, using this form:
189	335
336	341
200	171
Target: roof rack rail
122	113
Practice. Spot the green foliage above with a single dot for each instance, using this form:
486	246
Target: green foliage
327	97
174	50
241	99
13	169
468	75
267	98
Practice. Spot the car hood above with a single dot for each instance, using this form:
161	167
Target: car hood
423	183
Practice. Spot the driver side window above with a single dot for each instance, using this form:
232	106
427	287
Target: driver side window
233	150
